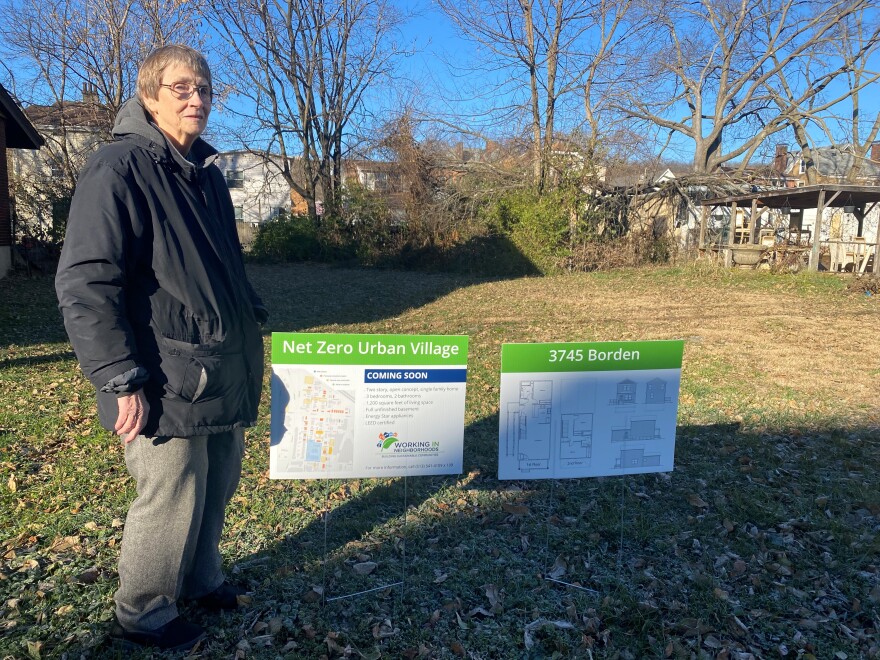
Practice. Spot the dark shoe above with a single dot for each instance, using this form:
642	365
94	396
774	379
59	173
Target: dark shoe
176	635
224	597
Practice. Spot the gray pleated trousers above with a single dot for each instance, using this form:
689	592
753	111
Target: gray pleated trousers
170	545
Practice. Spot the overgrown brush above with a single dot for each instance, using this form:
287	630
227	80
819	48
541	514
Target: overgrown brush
287	239
868	285
521	232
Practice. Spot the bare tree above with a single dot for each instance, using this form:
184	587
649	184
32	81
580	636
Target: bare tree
550	49
75	63
621	25
860	42
302	70
84	47
415	166
808	99
61	46
708	73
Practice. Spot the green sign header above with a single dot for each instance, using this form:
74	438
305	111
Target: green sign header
594	356
320	348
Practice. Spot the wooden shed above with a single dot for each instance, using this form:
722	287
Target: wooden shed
747	241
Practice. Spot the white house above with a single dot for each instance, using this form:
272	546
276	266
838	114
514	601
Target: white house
259	191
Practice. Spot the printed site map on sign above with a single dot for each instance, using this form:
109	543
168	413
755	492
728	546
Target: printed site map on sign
346	405
588	409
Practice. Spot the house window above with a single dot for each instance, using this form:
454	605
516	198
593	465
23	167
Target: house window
802	168
374	180
239	213
235	178
277	212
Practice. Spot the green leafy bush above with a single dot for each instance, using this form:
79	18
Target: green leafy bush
371	228
520	232
286	239
537	225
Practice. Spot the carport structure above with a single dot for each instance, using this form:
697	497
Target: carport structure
857	200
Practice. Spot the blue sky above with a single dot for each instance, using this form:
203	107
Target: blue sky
437	77
440	46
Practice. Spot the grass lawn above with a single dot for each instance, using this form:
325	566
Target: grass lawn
764	541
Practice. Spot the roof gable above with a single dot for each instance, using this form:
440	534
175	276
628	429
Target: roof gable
20	133
837	161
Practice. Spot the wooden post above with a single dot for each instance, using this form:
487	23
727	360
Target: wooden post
753	223
704	218
817	231
860	219
728	258
876	267
859	215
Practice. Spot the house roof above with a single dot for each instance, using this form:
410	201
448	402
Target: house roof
838	160
646	175
82	114
20	133
835	196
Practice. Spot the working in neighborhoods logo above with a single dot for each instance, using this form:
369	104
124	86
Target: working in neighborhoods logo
387	439
390	442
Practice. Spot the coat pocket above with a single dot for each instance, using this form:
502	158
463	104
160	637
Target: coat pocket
196	378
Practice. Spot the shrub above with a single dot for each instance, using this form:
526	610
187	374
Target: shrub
537	225
289	238
370	228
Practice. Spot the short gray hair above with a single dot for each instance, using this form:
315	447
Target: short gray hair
150	74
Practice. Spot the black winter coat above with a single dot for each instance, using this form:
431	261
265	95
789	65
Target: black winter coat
151	275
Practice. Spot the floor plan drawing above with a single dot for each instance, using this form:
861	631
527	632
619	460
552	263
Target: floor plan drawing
543	432
577	407
528	425
576	439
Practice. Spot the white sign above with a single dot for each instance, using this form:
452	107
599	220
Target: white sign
588	409
346	406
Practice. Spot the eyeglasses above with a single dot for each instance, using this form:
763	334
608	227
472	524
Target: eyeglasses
184	91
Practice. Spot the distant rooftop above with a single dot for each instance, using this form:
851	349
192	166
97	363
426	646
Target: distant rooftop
86	113
82	114
838	160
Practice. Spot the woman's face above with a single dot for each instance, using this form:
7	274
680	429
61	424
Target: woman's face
181	120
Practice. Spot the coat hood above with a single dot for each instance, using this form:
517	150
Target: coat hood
134	120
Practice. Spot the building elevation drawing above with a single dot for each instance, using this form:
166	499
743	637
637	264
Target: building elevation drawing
639	431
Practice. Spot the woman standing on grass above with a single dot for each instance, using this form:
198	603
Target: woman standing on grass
165	325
